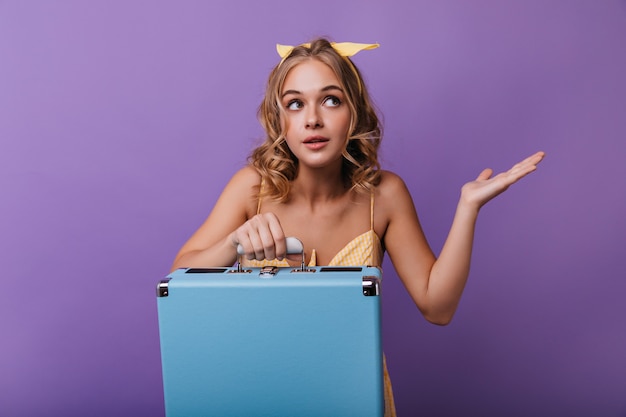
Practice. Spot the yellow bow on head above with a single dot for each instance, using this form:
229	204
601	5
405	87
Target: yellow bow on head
343	48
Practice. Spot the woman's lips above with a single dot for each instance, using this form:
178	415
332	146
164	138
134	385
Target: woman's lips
315	142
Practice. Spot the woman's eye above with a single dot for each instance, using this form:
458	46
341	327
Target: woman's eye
294	105
332	101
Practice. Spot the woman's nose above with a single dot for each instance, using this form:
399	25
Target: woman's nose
313	119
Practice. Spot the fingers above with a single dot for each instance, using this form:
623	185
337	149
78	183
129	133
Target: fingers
261	237
485	174
531	161
536	157
278	238
525	167
518	170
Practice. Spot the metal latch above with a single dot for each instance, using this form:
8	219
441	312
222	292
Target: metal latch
268	271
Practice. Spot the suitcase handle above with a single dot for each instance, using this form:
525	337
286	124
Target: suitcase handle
294	246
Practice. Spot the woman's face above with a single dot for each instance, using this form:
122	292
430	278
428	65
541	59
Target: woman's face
317	115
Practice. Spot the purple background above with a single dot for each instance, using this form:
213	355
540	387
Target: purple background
120	122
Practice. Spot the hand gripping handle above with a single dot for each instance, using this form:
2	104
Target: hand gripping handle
294	246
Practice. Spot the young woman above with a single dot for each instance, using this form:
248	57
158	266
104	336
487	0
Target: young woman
317	177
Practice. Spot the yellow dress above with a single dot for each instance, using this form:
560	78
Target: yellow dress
365	249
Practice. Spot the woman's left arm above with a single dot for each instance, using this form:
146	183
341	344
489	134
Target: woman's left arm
436	285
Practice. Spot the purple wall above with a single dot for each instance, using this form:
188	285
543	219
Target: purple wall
120	123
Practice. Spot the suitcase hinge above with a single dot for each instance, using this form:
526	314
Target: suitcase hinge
162	288
371	286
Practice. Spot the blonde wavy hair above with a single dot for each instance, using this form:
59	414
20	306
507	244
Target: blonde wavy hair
273	159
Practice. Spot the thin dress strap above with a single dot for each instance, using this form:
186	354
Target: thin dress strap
258	207
372	210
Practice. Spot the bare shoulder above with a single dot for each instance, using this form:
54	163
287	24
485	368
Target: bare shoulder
393	199
247	177
391	186
242	191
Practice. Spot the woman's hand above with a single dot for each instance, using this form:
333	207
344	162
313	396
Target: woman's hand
478	192
261	237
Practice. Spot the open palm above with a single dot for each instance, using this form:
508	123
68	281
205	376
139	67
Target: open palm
485	187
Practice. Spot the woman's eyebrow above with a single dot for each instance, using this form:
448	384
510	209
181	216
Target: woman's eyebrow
332	87
294	92
325	89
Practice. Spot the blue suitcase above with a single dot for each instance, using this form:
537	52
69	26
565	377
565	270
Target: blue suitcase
271	342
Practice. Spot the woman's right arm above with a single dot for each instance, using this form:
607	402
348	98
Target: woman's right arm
232	222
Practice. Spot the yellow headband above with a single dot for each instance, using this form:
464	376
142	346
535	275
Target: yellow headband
343	48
